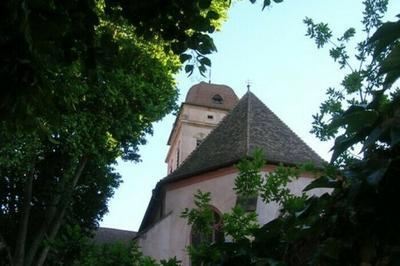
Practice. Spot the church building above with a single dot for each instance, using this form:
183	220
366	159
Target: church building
213	131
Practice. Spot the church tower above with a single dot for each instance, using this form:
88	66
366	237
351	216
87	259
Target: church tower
205	106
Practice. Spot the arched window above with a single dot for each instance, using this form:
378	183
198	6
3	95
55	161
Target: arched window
217	99
217	235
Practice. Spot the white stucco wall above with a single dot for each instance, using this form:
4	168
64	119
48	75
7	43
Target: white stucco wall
171	235
270	211
193	120
156	242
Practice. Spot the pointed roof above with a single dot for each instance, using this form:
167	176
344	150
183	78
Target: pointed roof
248	126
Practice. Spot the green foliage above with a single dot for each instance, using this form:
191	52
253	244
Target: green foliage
76	247
271	187
319	32
138	259
239	224
358	86
108	255
249	179
82	83
201	217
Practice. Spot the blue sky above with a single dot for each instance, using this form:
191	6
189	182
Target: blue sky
286	71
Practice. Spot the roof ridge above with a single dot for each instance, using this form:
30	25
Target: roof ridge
248	125
114	229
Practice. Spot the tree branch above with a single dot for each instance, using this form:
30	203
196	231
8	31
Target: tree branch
54	216
56	224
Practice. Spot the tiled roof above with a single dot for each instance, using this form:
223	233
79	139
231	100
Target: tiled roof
202	94
105	235
248	126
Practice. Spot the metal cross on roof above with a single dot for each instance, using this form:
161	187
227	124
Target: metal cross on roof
248	82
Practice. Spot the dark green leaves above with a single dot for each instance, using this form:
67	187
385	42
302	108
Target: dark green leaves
205	61
379	169
385	37
185	57
189	69
355	119
320	32
352	82
248	182
391	66
204	4
323	182
347	35
387	34
212	15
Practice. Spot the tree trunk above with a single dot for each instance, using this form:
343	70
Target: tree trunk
7	248
52	234
19	254
54	219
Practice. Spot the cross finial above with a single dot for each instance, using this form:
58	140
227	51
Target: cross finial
248	82
209	76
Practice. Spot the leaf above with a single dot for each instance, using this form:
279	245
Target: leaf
391	66
205	61
184	57
266	3
356	118
202	70
348	34
189	69
384	36
352	82
212	15
377	99
322	182
379	170
390	78
360	120
204	4
373	137
342	143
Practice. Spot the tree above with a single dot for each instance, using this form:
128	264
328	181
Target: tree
82	81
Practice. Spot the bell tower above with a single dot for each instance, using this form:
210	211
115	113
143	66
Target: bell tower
206	104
